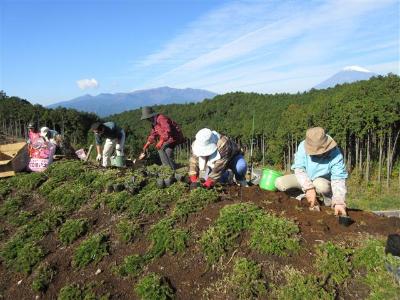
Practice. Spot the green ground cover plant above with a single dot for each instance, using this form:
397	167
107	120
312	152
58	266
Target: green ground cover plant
300	286
81	292
246	281
268	234
154	287
127	230
132	265
43	277
72	230
69	196
333	262
372	261
90	250
165	238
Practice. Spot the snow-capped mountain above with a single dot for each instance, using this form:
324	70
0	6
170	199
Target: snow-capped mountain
346	75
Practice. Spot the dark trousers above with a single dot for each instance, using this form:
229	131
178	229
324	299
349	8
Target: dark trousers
167	156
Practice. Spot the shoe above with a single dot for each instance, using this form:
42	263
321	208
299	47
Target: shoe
242	183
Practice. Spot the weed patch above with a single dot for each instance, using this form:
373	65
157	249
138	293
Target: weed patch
154	287
92	249
72	230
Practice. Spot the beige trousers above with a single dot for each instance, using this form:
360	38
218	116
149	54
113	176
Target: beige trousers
322	186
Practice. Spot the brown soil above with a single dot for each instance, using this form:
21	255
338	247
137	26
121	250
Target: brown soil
187	272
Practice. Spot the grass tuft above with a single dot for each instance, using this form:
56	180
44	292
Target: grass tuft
154	287
72	230
92	249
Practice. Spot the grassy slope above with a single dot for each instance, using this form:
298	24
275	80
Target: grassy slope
70	188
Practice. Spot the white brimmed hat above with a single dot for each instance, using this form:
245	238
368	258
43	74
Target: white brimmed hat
205	143
44	131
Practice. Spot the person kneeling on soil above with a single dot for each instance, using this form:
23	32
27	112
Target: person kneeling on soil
318	169
216	154
115	139
167	132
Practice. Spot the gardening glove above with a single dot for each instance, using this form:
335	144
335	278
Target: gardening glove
98	157
209	183
142	155
160	144
340	209
193	179
118	147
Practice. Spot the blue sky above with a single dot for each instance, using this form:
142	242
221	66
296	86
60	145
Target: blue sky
57	50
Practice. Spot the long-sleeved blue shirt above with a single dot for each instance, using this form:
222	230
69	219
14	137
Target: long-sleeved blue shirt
330	166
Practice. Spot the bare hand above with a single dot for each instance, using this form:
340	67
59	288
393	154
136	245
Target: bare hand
340	209
311	196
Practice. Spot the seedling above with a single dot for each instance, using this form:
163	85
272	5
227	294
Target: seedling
72	230
154	287
127	230
91	250
132	265
43	277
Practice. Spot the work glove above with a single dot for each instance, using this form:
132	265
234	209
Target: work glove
160	144
193	179
98	157
209	183
118	147
142	155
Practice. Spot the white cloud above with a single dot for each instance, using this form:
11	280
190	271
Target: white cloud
84	84
270	46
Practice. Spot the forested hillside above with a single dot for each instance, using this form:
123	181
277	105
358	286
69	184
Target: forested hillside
363	117
17	113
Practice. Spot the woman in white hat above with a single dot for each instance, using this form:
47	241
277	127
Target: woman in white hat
318	169
215	154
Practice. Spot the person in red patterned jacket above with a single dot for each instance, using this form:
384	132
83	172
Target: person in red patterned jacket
165	133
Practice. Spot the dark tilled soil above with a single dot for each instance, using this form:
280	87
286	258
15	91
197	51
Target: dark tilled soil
187	272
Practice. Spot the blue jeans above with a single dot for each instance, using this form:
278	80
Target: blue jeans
239	167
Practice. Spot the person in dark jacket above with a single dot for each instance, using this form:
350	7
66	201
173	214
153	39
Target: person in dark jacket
115	139
165	133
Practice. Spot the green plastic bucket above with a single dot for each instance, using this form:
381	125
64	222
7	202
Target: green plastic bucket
268	178
118	161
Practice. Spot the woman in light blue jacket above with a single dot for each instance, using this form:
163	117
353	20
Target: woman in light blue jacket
318	169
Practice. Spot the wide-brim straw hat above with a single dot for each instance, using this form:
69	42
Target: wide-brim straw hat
147	112
205	143
318	142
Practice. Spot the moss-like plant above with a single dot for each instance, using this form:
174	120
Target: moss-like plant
371	258
80	292
300	286
160	171
246	281
92	249
333	262
27	182
127	230
72	230
11	206
165	238
21	218
43	277
154	287
69	196
268	234
132	265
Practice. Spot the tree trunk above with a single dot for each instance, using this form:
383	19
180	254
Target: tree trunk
367	160
380	158
388	161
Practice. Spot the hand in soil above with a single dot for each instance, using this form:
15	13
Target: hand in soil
340	210
311	196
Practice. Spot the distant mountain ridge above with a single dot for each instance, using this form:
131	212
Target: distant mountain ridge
108	104
346	75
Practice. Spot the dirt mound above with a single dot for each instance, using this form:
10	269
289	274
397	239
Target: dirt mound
180	225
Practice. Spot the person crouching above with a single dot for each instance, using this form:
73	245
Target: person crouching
215	154
115	140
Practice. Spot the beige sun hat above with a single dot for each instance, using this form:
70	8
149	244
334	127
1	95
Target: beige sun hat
205	143
318	142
